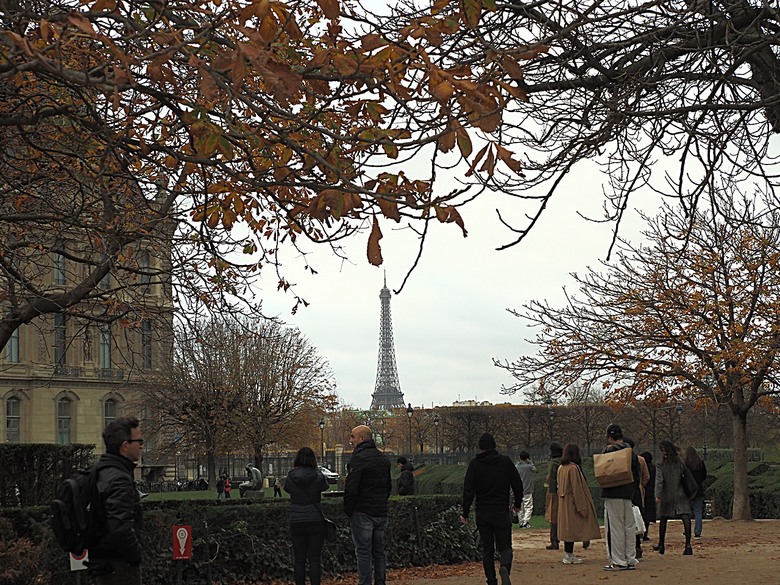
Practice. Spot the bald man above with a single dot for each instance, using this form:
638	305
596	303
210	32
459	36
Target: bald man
366	491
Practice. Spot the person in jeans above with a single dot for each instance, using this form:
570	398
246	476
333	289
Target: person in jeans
619	525
551	498
305	484
366	491
489	478
699	471
526	469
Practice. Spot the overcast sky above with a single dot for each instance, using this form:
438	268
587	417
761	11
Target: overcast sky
451	318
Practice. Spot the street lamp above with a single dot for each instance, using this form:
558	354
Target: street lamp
550	416
436	432
322	441
409	411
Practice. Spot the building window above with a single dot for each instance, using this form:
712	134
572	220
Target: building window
13	419
105	347
60	340
109	411
59	264
12	348
144	264
146	344
64	419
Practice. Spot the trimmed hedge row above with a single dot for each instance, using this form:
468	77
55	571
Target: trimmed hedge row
242	540
763	483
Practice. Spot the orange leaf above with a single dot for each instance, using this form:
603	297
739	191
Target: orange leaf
389	209
330	8
372	41
476	160
374	250
81	23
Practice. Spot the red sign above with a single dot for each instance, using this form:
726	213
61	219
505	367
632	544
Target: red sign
182	543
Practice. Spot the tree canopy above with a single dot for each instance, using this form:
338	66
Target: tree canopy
690	316
681	96
227	131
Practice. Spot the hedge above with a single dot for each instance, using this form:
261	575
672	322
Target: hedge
240	540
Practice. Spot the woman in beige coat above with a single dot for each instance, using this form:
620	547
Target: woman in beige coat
577	519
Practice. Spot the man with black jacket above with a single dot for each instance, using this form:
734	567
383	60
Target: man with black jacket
489	478
366	491
619	525
116	560
405	485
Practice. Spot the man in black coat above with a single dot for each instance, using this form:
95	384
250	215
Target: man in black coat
489	478
366	491
405	485
116	559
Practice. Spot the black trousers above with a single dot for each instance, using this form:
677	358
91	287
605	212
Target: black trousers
307	539
495	532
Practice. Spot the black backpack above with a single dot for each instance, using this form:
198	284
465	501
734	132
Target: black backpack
76	512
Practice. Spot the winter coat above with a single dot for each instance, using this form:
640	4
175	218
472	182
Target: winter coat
368	484
669	488
305	486
625	491
121	506
574	497
489	478
700	475
645	479
405	484
526	469
551	499
648	511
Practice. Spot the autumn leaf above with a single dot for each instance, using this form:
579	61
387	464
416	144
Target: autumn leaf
464	142
330	8
476	160
471	11
374	251
389	208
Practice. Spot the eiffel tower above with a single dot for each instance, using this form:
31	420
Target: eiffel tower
387	391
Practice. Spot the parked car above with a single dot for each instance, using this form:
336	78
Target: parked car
331	476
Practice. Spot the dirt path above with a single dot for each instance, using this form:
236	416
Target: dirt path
729	553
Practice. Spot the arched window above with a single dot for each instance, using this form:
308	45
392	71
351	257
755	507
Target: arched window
64	420
13	419
109	411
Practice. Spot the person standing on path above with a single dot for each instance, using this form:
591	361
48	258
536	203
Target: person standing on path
305	484
699	471
551	499
670	495
366	491
526	469
576	512
489	478
619	525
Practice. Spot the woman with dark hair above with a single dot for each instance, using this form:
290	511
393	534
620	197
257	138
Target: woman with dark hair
304	483
576	513
699	471
670	495
648	510
551	498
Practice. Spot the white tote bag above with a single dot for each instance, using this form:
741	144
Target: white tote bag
640	523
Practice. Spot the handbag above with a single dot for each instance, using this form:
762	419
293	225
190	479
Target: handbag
638	520
689	484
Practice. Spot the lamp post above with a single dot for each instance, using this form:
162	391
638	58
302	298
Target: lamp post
550	416
409	411
322	441
436	433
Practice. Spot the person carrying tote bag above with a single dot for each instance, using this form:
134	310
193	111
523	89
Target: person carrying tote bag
305	484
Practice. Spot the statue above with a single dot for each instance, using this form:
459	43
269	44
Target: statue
254	480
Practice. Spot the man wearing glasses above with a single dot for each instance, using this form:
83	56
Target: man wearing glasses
116	560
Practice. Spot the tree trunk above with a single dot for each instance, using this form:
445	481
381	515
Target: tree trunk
741	506
211	468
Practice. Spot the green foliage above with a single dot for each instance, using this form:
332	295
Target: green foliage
32	472
249	539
